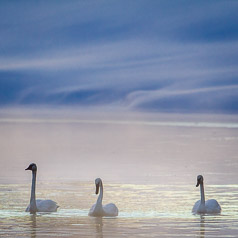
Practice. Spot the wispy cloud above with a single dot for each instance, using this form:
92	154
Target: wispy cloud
140	56
141	97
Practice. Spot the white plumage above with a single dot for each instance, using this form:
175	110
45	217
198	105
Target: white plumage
201	207
38	205
99	210
44	206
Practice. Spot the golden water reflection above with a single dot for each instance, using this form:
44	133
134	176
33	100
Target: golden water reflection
202	226
33	226
144	210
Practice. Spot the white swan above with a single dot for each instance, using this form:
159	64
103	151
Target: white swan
98	210
210	206
38	205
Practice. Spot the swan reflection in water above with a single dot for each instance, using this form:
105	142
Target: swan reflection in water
97	222
202	226
33	225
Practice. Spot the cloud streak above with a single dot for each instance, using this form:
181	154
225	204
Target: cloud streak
147	56
141	97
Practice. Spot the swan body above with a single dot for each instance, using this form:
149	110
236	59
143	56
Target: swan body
99	210
44	206
38	205
210	206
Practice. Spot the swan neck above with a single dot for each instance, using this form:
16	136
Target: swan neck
33	208
202	193
100	197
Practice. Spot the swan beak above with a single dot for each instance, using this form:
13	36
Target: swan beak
27	168
97	188
197	184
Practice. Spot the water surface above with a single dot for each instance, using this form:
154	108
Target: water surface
148	167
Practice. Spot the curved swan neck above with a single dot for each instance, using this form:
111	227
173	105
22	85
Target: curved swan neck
33	208
100	197
202	193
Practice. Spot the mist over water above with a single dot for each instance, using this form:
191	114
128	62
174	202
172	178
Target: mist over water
138	148
148	163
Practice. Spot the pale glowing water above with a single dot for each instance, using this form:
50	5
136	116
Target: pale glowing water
145	210
148	167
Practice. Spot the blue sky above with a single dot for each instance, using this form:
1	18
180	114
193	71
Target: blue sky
165	56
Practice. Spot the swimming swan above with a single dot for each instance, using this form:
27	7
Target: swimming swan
210	206
98	210
38	205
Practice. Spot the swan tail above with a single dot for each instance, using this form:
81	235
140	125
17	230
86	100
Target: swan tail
110	210
46	206
212	206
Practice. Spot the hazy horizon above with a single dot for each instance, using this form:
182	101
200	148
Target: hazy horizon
81	145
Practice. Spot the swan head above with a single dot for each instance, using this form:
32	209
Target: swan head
98	181
199	180
32	167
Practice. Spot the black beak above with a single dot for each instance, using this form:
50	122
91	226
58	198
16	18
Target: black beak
97	188
28	168
198	183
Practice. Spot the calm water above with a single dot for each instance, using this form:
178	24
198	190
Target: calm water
145	210
148	167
